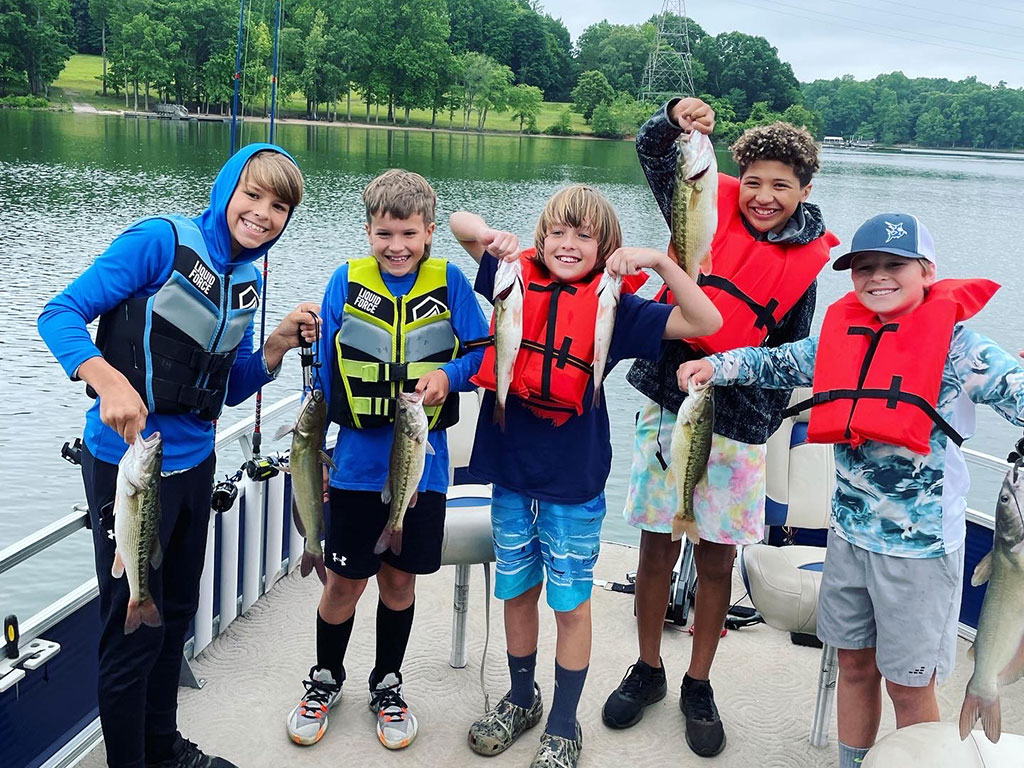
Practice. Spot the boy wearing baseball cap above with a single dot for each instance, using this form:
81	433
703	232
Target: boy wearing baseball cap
894	388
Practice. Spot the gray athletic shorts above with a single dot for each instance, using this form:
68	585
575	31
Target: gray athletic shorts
905	608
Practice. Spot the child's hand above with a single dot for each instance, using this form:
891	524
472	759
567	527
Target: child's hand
303	322
629	261
121	408
504	246
697	371
692	114
434	386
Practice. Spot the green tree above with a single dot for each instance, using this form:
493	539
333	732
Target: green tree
799	115
747	70
935	130
592	89
35	37
524	103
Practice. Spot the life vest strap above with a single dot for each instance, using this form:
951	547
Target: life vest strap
892	396
373	406
764	313
200	361
376	372
562	356
193	398
469	346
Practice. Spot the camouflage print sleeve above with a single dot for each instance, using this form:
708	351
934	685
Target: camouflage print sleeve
785	367
656	148
988	374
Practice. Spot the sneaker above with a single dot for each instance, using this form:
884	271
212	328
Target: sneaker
642	686
558	751
307	723
188	755
498	729
704	732
396	725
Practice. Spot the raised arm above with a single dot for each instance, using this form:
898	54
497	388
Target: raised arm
476	237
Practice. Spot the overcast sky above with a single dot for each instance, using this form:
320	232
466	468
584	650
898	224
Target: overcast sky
829	38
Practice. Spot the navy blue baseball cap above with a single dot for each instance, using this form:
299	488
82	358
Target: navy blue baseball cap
899	233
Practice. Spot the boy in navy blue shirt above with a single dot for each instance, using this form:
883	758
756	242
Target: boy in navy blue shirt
393	321
549	465
176	299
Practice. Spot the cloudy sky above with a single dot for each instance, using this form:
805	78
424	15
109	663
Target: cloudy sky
829	38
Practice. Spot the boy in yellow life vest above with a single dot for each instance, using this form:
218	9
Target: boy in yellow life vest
395	320
895	377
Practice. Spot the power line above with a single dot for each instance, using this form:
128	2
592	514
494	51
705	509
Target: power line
959	18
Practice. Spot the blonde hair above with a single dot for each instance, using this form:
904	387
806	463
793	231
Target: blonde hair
277	173
400	194
576	206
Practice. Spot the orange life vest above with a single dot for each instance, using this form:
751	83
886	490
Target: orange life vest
875	381
753	283
556	356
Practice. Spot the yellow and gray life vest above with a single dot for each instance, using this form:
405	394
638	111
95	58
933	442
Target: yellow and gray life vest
386	343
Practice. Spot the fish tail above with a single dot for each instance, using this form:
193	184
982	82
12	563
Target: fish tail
499	415
685	526
306	564
320	568
396	542
384	541
597	394
988	711
141	612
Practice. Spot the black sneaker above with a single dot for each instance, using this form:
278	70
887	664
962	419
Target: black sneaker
704	732
642	686
188	755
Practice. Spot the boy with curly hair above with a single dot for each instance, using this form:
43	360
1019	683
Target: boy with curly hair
768	248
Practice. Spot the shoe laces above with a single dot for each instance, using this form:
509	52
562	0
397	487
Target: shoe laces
700	701
191	756
633	681
388	701
318	693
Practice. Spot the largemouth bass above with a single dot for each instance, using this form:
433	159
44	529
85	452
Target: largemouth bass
999	645
691	447
137	527
305	463
409	450
508	330
608	290
694	204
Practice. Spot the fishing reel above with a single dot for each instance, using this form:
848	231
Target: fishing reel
1017	454
225	492
261	468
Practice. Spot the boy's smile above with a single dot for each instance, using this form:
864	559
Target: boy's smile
255	215
570	253
399	245
769	195
890	285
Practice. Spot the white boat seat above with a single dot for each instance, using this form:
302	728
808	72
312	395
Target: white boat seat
800	477
467	525
935	745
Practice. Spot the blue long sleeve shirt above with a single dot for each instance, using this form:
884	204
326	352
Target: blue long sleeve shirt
137	263
889	499
361	455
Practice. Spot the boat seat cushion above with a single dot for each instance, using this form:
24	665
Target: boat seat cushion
783	584
931	745
467	526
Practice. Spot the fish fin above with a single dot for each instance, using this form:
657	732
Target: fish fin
499	415
305	564
283	430
117	569
982	571
320	568
297	520
992	719
970	653
1018	547
396	542
414	499
430	449
139	613
325	458
156	554
385	494
969	713
597	395
383	542
1013	671
681	527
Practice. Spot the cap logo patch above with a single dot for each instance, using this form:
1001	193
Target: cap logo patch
894	231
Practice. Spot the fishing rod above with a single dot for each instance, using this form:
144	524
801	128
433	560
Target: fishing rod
273	78
237	78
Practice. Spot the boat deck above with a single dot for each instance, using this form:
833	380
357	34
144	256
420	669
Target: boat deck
765	686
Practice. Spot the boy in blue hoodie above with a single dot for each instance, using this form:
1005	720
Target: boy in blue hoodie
176	298
396	320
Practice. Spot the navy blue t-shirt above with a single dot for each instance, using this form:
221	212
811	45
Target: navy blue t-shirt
567	464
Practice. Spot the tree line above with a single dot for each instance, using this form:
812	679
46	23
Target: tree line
464	59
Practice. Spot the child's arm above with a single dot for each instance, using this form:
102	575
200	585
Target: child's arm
785	367
694	314
989	374
476	237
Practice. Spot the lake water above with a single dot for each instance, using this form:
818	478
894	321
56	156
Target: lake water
69	183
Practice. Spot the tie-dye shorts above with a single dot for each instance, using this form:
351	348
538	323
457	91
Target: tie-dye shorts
728	501
532	536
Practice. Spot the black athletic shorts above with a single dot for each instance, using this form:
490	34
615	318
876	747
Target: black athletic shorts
355	521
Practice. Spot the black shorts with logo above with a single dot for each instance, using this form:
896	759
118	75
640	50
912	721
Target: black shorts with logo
355	521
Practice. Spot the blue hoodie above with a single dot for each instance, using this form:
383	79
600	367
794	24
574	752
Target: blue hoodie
138	263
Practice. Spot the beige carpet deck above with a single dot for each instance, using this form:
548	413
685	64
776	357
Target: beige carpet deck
764	687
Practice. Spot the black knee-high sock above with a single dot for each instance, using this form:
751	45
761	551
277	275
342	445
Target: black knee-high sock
393	629
331	644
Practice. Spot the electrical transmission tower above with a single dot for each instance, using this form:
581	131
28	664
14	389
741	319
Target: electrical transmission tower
669	72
